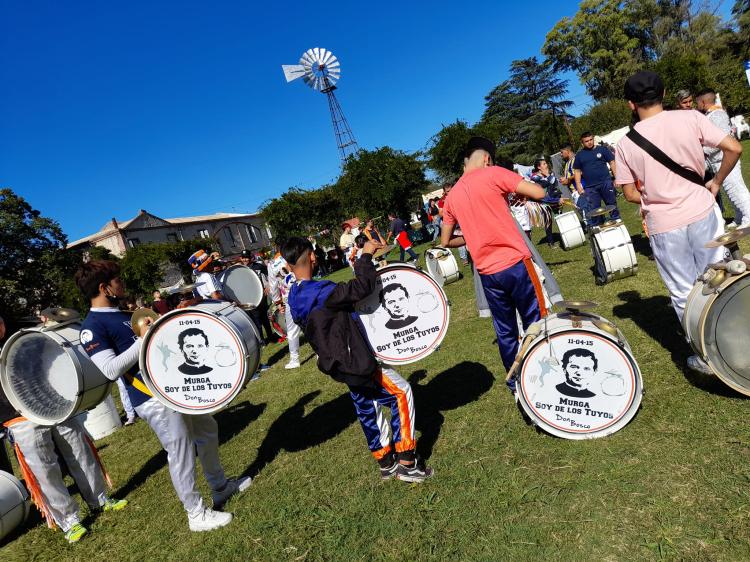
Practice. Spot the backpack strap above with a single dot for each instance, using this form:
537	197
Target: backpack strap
657	154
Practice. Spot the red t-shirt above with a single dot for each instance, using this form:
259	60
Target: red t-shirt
477	202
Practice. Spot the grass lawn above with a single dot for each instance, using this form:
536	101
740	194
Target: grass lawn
673	484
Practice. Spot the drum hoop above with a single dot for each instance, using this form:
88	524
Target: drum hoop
67	346
237	266
439	340
709	321
158	394
633	405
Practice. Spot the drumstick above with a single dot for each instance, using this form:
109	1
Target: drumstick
735	267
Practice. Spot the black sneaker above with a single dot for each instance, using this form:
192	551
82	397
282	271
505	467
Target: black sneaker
388	466
416	472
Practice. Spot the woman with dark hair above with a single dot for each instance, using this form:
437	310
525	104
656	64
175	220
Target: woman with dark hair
542	175
372	232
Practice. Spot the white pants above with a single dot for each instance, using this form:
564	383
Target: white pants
735	188
37	444
180	435
680	256
292	334
125	399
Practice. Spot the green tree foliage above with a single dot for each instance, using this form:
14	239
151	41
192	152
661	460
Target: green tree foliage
300	212
33	262
602	118
381	180
445	152
527	110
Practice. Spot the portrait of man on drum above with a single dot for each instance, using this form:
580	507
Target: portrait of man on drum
193	344
395	300
580	367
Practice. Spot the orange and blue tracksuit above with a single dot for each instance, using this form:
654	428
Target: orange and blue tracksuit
325	311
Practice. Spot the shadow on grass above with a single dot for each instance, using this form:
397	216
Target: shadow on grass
231	422
655	316
295	431
455	387
641	245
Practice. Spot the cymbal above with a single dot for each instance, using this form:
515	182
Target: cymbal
575	306
183	289
56	314
382	251
599	211
138	320
728	237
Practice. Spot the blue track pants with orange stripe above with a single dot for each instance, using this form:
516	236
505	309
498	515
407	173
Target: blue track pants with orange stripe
516	288
392	392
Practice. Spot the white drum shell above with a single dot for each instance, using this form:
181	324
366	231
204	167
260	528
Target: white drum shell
241	284
442	265
14	504
40	400
101	421
561	324
236	321
613	248
571	233
715	322
430	306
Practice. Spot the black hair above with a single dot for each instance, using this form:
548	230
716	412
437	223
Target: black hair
92	274
505	162
294	248
705	91
579	352
191	332
567	147
389	289
537	162
586	134
360	240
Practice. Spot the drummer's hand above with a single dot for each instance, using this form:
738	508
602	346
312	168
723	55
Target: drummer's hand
147	323
371	246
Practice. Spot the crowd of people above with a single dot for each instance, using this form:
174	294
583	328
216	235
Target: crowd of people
475	215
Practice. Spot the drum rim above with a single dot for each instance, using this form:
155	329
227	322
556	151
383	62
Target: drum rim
430	349
433	266
271	312
69	350
255	275
707	324
625	418
158	395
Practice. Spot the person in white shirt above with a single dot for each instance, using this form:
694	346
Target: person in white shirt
280	279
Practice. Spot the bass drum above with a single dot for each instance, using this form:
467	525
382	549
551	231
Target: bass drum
578	378
442	265
715	322
612	248
48	377
101	421
196	360
241	284
14	504
407	316
571	233
277	320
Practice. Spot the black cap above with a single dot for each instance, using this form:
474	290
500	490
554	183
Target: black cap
246	254
480	143
644	86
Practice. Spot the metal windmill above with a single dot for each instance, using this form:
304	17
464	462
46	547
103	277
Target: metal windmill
320	70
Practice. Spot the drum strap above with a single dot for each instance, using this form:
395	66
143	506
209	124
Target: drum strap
138	385
537	286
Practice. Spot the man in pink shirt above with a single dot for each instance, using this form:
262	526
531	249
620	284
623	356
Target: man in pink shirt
502	258
681	216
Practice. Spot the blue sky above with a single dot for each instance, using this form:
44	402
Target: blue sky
181	108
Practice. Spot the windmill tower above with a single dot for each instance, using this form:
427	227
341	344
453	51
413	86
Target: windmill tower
320	70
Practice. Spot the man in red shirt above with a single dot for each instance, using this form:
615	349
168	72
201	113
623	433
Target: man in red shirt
502	258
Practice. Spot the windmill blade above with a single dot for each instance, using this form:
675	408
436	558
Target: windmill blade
316	50
293	71
327	55
308	58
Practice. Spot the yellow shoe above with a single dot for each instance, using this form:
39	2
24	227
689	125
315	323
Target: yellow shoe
114	505
75	533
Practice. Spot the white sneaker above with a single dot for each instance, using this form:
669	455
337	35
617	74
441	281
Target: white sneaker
232	487
208	520
292	365
697	364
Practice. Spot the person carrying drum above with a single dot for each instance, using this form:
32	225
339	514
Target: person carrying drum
591	168
681	214
113	347
500	254
260	314
326	311
280	278
553	196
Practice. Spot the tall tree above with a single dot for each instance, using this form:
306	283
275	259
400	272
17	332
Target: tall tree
528	109
301	212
